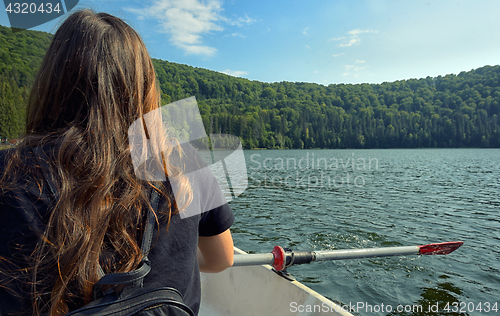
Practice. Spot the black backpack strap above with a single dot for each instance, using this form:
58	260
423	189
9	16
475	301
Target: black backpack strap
147	236
136	277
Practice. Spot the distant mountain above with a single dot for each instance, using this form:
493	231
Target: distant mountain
447	111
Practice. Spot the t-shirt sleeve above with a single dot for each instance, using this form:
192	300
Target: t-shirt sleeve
216	221
219	216
208	199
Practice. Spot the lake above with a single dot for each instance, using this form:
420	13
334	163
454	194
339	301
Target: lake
341	199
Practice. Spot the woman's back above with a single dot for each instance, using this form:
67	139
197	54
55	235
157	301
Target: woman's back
94	82
173	256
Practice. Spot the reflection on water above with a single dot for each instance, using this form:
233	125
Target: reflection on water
440	300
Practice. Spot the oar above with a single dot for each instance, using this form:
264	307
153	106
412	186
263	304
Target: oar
281	258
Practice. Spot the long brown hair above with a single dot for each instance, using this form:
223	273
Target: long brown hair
94	82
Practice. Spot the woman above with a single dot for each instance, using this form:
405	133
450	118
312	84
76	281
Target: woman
94	82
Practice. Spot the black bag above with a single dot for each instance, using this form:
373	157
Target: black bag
133	299
137	301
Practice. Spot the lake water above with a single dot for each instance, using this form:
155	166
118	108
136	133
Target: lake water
340	199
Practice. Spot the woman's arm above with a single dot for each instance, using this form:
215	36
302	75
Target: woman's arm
215	253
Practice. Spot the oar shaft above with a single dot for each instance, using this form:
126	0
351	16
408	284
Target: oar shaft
280	258
253	259
365	253
268	258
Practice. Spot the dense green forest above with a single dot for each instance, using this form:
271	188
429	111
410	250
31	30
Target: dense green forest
20	55
447	111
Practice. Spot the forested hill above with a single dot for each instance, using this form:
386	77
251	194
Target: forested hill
447	111
20	55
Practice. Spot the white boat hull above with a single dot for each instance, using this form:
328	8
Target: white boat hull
257	290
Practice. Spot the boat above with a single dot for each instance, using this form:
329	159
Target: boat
258	290
252	287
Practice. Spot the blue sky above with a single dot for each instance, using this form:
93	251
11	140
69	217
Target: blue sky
326	42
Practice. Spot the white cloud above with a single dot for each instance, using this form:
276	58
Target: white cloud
336	39
241	21
198	49
353	70
354	37
337	55
353	67
307	46
305	30
235	73
351	42
356	32
238	35
186	21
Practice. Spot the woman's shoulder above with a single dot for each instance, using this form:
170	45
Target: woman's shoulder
24	155
13	165
4	156
22	198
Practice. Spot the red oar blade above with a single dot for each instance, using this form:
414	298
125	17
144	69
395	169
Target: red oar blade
443	248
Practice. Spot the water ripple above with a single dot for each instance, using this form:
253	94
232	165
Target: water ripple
403	197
